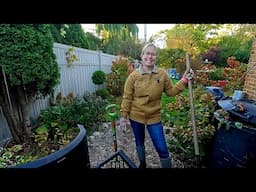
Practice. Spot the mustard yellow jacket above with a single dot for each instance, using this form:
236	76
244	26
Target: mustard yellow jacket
142	94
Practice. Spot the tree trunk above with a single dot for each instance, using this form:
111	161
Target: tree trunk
11	118
25	114
20	126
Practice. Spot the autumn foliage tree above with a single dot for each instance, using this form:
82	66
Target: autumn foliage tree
212	54
235	73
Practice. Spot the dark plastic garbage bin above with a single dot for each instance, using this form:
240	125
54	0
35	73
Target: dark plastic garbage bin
234	142
233	147
216	91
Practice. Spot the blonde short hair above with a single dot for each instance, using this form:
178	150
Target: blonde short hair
147	46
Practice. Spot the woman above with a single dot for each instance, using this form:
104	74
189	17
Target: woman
141	103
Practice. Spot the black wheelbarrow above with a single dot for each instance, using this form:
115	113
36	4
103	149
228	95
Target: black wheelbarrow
119	159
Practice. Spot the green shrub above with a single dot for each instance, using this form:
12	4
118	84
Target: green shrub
98	77
87	110
103	93
216	74
176	115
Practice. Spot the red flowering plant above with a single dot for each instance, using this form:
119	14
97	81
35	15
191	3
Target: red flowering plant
234	74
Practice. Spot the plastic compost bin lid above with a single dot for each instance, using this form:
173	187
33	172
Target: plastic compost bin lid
243	110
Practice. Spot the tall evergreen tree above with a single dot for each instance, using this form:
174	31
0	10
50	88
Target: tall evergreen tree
113	34
28	69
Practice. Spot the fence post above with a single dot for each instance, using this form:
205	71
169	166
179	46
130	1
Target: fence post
100	54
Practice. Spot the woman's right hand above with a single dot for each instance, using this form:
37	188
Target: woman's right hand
123	122
188	75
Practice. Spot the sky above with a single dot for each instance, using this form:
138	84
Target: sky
151	29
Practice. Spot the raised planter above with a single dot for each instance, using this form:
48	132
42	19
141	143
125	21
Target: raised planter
75	155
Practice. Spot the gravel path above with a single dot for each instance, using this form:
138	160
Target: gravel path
101	147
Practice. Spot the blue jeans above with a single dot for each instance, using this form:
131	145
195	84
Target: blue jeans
156	133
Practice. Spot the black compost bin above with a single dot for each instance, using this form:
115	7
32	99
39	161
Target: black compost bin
73	155
234	142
